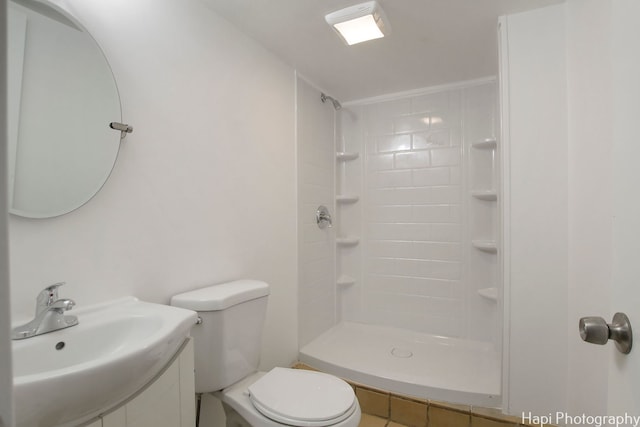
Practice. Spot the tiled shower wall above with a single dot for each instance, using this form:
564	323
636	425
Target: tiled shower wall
411	268
316	184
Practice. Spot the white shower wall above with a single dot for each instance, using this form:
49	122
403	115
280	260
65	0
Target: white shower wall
415	218
316	182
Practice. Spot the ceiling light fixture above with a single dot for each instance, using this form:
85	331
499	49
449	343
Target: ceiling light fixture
359	23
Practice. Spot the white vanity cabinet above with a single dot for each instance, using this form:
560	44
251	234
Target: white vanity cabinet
167	402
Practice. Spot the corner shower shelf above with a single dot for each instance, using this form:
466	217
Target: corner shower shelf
346	198
346	156
485	245
489	293
485	144
347	241
489	195
345	280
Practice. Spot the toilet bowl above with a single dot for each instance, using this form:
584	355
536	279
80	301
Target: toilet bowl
227	353
290	397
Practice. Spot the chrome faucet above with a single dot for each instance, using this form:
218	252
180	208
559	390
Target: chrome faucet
49	314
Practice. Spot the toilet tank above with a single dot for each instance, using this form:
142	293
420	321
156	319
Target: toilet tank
228	341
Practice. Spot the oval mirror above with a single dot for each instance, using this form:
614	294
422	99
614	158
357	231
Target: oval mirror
61	98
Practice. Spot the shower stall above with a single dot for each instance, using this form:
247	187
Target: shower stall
403	292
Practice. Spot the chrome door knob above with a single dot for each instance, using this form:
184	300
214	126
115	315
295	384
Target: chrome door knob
596	331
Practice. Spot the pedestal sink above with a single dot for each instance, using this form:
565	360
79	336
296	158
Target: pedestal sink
69	376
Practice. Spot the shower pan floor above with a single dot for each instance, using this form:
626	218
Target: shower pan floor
410	363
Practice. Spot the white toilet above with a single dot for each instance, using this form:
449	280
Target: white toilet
227	352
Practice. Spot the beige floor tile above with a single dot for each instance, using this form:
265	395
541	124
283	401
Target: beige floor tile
485	422
408	412
446	405
441	417
372	421
495	414
373	402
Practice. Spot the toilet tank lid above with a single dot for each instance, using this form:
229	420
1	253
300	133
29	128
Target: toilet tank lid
222	296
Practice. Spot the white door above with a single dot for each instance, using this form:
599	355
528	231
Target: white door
624	370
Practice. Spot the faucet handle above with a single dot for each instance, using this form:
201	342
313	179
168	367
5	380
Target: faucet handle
47	296
54	288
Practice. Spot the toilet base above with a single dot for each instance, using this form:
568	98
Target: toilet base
234	419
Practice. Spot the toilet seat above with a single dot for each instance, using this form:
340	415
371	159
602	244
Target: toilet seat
302	398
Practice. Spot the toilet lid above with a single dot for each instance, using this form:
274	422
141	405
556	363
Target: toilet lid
302	398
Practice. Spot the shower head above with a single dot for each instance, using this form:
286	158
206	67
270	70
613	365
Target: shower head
334	101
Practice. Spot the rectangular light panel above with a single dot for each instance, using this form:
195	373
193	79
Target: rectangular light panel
359	23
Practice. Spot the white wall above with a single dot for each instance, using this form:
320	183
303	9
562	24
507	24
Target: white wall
413	219
203	190
415	267
6	410
537	210
481	165
316	186
350	268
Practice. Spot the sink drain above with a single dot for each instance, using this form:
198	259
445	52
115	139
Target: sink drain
402	353
60	345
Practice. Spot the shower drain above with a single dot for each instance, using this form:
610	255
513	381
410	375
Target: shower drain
402	353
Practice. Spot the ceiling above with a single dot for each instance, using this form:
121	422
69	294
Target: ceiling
431	41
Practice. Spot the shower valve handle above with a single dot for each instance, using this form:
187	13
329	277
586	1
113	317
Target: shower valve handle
595	330
323	217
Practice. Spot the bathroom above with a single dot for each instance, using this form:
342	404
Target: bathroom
205	190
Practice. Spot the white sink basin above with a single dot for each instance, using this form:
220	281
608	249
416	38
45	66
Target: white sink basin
68	376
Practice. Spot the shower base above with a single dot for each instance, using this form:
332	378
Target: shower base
409	363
